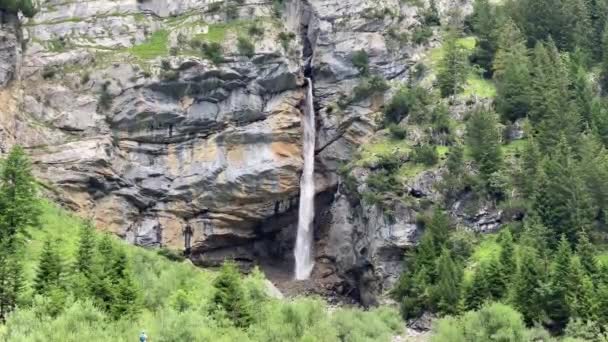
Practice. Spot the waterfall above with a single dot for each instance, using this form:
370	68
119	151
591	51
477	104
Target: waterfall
304	240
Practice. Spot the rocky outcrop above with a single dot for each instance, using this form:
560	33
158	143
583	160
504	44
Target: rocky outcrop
177	123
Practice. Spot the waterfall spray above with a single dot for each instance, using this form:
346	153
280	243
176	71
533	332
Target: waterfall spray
304	241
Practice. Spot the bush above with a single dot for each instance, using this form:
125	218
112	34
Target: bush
407	101
425	154
493	322
213	51
245	47
360	60
421	35
397	132
26	7
369	86
256	30
285	39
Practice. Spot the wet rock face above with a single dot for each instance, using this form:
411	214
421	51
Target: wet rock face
10	47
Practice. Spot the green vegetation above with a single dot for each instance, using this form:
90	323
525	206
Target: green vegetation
76	284
245	47
26	7
155	46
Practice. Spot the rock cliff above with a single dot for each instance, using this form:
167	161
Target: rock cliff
177	123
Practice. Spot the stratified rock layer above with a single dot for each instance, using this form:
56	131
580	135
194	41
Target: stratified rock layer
130	122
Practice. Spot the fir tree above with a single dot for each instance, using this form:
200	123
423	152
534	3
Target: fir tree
229	298
561	200
18	210
453	68
507	256
49	275
85	254
446	292
586	252
526	296
559	310
581	294
483	138
512	74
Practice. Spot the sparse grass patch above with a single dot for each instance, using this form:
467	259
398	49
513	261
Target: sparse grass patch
155	46
480	87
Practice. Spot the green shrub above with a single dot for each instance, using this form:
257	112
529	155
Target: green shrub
369	86
407	101
425	154
255	30
360	60
493	322
285	39
26	7
397	131
213	51
421	35
245	47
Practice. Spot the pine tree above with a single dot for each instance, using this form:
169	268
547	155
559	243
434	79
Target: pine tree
562	201
512	74
581	294
586	252
478	291
530	164
49	275
577	26
126	298
526	295
86	250
447	292
439	227
453	68
551	109
604	73
229	298
601	301
507	256
483	138
484	22
559	309
18	210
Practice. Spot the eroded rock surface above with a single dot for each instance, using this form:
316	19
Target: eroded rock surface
157	121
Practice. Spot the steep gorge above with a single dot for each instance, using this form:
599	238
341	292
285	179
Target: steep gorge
131	125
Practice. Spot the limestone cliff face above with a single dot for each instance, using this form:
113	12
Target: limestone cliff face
158	121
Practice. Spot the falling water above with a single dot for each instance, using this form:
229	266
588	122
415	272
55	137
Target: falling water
303	251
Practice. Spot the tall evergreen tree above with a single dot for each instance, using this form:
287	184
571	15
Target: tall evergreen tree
512	74
562	201
18	210
559	309
229	298
453	69
49	275
483	137
586	252
581	293
507	256
526	295
447	291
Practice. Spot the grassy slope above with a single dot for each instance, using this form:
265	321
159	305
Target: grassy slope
165	283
